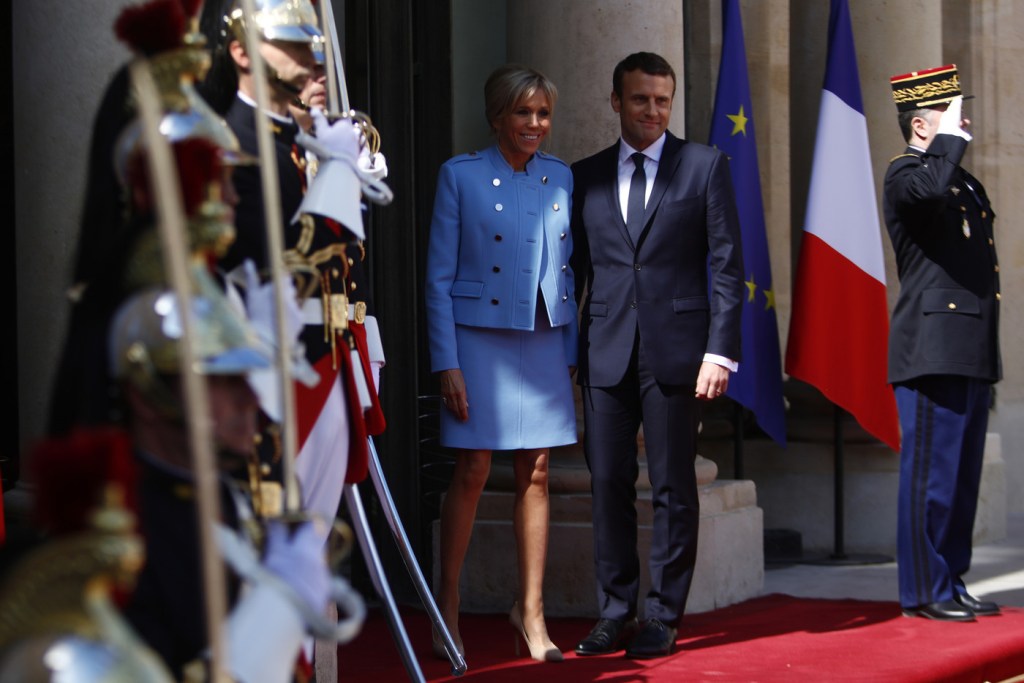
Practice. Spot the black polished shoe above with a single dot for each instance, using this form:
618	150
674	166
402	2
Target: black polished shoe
607	636
655	639
947	610
981	608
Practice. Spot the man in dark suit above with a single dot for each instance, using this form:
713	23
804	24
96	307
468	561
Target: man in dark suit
943	343
647	214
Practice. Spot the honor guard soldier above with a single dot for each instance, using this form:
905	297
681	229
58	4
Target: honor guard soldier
323	236
943	343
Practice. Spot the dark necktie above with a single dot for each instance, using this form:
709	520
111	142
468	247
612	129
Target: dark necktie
635	202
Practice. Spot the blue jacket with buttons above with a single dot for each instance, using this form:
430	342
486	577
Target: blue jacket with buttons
496	239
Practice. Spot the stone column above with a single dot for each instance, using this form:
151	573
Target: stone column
576	43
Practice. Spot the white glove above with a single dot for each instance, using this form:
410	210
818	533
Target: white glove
949	122
297	558
373	165
340	140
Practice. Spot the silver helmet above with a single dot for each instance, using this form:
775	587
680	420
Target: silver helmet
293	21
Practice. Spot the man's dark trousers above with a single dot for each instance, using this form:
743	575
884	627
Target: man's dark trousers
670	416
944	420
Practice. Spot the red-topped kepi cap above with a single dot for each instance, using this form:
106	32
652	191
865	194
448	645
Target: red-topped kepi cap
926	88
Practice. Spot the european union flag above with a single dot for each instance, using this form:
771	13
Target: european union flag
758	384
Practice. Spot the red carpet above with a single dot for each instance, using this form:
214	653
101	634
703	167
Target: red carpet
773	638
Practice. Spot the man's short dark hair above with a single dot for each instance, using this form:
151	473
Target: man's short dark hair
648	62
907	117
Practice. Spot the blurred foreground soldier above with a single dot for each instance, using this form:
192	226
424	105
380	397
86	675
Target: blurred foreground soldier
266	626
943	345
60	617
164	33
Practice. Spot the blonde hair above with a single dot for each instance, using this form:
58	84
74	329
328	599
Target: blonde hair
509	85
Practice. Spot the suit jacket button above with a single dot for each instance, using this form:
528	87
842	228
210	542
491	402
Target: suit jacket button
984	214
496	269
636	266
544	180
555	206
564	267
951	306
562	236
565	297
494	302
497	238
632	304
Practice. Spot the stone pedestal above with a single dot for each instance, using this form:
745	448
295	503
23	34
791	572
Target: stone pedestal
730	558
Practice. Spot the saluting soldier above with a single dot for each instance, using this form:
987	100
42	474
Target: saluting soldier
943	343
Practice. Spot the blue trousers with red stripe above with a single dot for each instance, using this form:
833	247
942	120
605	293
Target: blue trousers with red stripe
944	419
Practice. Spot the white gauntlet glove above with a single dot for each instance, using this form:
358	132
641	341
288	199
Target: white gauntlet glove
297	558
335	191
334	141
949	122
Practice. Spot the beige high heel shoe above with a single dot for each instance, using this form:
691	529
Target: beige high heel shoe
542	652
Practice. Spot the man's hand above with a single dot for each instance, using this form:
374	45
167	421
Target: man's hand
297	557
453	393
338	140
712	381
951	122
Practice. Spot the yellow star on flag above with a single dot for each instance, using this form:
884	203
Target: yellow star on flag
752	287
769	296
739	122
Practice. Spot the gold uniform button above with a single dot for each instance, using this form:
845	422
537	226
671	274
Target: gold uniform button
951	306
991	241
998	296
350	261
984	214
997	269
353	287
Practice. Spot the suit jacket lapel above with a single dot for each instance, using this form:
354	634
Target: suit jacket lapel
610	170
667	166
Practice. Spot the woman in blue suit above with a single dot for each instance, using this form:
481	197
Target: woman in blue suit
503	332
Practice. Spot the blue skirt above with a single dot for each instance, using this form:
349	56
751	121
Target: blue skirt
518	389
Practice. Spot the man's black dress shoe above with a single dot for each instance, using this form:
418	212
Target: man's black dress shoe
981	608
607	636
947	610
655	639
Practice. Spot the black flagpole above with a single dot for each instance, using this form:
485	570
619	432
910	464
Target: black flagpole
839	557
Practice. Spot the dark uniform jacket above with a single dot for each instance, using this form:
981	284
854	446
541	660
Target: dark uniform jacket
940	221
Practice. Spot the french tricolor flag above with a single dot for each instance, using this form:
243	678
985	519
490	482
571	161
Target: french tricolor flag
839	329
